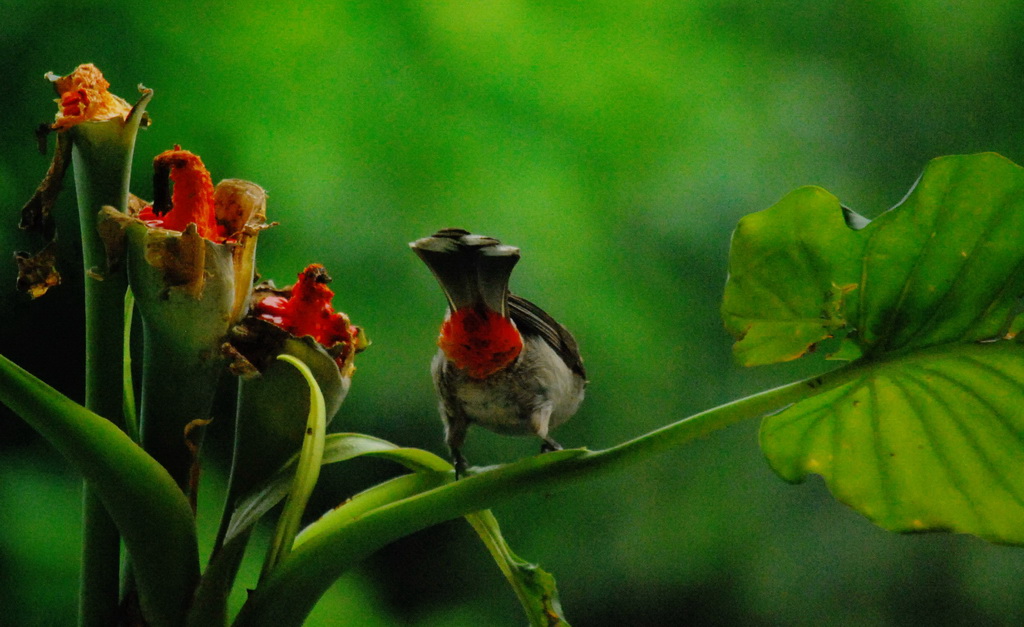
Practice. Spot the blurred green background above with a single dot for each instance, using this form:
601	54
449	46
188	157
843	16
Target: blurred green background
616	143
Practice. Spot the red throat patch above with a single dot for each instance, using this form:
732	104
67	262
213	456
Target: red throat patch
480	342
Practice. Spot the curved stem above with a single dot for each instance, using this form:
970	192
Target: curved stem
291	591
535	589
307	471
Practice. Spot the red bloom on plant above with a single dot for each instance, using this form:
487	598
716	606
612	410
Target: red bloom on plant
192	201
307	310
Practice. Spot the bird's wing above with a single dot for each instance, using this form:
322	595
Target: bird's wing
532	320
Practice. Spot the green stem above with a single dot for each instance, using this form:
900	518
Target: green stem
176	390
101	180
541	606
290	592
99	588
102	156
104	323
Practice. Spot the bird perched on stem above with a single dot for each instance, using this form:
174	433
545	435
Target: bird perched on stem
503	363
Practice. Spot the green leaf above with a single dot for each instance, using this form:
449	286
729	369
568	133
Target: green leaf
791	269
924	430
338	447
380	495
131	417
272	410
929	440
323	554
211	597
151	513
534	586
307	470
339	539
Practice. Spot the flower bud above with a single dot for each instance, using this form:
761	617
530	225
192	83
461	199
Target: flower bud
274	398
190	258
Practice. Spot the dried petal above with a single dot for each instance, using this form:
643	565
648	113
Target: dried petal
84	97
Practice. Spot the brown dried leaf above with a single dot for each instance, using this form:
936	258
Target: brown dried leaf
181	257
37	273
35	215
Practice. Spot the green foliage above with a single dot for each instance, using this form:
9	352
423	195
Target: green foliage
307	470
617	144
149	510
919	432
156	521
924	430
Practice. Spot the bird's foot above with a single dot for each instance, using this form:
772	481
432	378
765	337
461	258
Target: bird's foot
550	445
460	464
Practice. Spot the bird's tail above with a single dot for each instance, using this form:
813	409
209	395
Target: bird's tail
473	270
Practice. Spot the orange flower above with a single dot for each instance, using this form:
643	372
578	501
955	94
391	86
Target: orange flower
192	201
84	98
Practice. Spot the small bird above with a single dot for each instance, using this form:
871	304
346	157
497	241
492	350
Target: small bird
503	363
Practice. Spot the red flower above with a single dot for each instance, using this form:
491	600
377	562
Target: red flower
192	201
305	309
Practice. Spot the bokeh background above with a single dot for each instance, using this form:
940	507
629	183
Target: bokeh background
616	143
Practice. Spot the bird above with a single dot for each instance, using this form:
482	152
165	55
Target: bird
502	362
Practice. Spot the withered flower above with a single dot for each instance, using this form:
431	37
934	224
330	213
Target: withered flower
191	266
96	130
192	251
84	97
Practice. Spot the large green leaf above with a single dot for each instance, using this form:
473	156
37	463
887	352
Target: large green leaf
535	587
925	429
151	513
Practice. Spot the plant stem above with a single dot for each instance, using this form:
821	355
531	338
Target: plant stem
102	156
541	605
99	588
290	592
176	390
